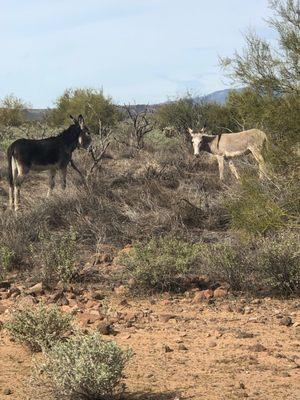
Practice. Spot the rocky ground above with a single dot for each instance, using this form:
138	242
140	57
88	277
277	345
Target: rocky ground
199	345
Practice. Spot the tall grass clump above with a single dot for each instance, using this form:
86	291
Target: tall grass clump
160	264
83	367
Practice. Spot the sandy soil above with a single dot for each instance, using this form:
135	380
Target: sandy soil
186	349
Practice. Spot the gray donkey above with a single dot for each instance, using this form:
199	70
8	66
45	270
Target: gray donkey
230	145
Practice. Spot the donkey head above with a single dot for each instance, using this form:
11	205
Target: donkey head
197	139
84	139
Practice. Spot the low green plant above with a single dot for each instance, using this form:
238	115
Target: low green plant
54	256
228	262
255	209
39	328
7	257
278	262
256	264
83	367
160	264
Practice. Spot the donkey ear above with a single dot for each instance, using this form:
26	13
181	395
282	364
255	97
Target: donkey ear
190	131
81	121
73	119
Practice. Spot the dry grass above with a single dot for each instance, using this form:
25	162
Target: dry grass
157	191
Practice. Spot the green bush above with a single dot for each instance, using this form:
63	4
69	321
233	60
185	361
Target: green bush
54	257
255	208
7	257
12	111
256	264
39	328
83	367
278	263
229	262
160	264
92	103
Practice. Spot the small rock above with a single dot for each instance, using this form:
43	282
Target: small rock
124	303
87	319
241	385
166	317
97	296
2	309
258	347
14	292
167	349
5	284
212	343
55	297
7	391
256	301
244	335
286	321
63	301
220	292
120	290
203	295
36	289
105	328
182	347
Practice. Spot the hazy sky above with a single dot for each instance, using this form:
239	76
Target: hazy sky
137	50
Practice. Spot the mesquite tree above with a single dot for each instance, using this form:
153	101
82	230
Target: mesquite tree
269	70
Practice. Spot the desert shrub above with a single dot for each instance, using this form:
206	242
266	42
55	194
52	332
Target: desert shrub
7	257
194	112
230	262
39	328
12	111
255	207
278	263
83	367
92	103
54	256
160	264
256	264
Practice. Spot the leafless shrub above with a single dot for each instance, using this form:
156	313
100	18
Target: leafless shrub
140	124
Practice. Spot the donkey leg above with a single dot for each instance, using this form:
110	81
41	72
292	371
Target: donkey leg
17	191
63	178
51	182
11	196
233	169
221	166
19	172
12	183
261	163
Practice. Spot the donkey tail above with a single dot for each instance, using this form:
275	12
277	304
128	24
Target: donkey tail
10	152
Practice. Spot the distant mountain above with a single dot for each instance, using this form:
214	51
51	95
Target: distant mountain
219	97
